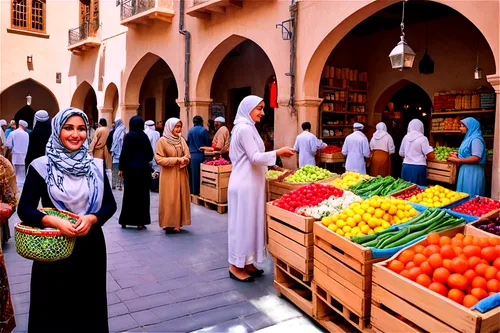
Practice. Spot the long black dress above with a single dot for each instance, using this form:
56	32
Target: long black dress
38	141
68	295
134	164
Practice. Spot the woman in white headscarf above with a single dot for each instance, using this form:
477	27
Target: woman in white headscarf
116	150
246	191
415	150
172	155
69	178
382	147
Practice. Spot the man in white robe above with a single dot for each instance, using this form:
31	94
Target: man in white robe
18	141
307	144
153	136
356	148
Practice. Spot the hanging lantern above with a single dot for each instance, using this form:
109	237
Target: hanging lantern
28	99
402	56
478	73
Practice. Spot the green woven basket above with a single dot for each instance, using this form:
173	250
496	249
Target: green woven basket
43	244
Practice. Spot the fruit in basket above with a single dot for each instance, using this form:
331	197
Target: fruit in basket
478	206
350	178
273	174
442	152
308	174
465	281
491	225
409	193
437	196
331	150
307	196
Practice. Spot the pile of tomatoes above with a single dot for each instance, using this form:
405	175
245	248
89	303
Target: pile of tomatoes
331	150
409	193
478	206
307	196
465	269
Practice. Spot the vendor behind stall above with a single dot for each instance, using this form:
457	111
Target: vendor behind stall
220	143
472	156
356	148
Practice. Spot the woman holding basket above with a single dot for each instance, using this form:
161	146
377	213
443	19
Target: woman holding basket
69	295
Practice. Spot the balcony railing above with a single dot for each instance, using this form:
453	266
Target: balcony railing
82	32
130	8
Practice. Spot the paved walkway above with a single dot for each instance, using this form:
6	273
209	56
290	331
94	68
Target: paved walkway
175	282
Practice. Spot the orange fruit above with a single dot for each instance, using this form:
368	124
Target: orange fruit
467	240
457	281
433	238
489	253
460	235
490	273
441	275
470	274
414	272
404	273
459	265
431	249
439	288
426	268
444	240
479	282
419	259
491	293
447	252
456	295
479	293
475	241
406	256
423	280
459	252
457	242
435	260
410	265
472	251
473	261
496	263
419	248
494	241
470	301
447	264
396	266
493	285
481	269
498	275
484	242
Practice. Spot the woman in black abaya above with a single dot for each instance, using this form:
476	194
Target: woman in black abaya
38	137
136	172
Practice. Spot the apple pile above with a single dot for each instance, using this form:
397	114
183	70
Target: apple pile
478	206
331	150
308	174
307	196
409	193
219	162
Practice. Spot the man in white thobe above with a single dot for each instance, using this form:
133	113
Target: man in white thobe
356	148
153	136
307	144
18	141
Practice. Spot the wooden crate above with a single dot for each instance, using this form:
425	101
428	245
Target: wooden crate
220	208
476	232
442	171
395	194
213	194
289	283
277	189
331	158
216	169
401	305
290	239
215	176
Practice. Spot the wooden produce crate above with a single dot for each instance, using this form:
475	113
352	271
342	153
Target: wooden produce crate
476	232
331	158
442	171
401	305
395	194
290	239
343	269
290	283
213	194
214	181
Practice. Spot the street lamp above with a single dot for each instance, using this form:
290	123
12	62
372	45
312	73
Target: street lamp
28	99
402	56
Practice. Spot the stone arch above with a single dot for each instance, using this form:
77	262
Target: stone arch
386	96
85	99
109	95
78	99
317	61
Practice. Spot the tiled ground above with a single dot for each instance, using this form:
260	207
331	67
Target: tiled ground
174	283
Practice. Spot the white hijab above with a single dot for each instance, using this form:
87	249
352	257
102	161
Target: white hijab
382	140
381	131
167	131
246	106
415	130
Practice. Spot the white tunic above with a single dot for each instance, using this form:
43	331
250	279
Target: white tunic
153	137
18	141
306	145
356	149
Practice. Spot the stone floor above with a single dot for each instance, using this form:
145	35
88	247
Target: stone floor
175	282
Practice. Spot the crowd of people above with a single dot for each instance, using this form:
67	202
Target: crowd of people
68	171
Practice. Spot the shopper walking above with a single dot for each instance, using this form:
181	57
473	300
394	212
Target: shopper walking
136	173
172	155
18	142
306	145
197	138
471	157
69	178
38	138
382	147
357	149
116	150
415	150
246	191
98	147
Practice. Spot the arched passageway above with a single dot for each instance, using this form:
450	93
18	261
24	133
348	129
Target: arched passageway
111	102
85	99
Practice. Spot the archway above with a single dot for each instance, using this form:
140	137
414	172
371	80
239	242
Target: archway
13	99
85	99
111	101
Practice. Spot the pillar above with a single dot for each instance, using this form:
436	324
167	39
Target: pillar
285	131
308	110
494	80
106	113
199	107
127	111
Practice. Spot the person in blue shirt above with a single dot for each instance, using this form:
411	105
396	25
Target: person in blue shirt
12	127
472	158
197	138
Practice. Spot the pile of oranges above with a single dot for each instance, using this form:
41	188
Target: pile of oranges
465	269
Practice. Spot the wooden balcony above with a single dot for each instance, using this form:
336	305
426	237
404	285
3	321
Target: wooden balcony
83	38
144	12
204	9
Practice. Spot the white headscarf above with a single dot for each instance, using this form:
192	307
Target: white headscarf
357	126
382	140
23	123
381	131
153	135
3	122
149	125
40	116
415	130
246	106
118	134
167	131
220	120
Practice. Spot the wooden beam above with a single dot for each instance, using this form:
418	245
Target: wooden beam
216	9
201	15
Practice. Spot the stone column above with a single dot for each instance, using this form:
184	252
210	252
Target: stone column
127	111
106	113
285	131
308	110
494	80
198	107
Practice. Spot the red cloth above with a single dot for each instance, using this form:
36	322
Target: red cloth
273	95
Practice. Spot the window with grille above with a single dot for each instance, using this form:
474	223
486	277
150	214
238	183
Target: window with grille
28	15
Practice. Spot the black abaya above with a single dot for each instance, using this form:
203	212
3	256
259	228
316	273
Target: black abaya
68	295
38	141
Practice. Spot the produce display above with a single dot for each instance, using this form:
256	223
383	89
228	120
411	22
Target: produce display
437	196
273	174
350	178
218	162
478	206
331	150
370	216
432	220
464	269
308	174
442	152
409	193
307	196
491	225
379	186
332	205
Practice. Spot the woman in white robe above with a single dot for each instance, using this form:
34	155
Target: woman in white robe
246	191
